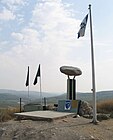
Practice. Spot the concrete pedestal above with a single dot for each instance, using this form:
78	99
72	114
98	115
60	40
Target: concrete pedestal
71	89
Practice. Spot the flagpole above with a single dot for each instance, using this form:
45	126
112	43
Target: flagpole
93	72
28	93
40	89
38	74
40	92
27	82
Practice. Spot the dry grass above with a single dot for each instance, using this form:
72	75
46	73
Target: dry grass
105	106
8	114
102	107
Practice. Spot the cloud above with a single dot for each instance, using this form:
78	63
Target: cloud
50	32
13	3
49	39
13	9
51	15
17	36
6	15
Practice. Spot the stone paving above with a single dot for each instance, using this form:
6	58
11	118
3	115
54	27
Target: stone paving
45	115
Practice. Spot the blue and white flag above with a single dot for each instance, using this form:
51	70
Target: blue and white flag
83	27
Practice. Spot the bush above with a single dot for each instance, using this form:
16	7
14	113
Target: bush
105	106
7	114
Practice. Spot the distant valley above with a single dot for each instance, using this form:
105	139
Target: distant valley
10	98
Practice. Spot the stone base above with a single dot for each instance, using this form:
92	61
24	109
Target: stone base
68	106
32	107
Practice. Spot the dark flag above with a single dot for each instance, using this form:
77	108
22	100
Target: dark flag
27	80
37	75
83	27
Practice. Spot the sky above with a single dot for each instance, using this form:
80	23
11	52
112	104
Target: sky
45	32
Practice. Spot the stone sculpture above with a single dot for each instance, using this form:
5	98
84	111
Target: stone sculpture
70	71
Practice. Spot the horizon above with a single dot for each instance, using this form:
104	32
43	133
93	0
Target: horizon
56	92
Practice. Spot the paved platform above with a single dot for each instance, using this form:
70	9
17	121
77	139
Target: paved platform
44	115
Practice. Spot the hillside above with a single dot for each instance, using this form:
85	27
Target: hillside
102	95
12	97
24	94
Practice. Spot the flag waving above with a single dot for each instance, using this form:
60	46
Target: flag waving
37	75
83	27
27	80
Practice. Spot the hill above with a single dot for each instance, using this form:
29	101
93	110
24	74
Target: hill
101	95
12	97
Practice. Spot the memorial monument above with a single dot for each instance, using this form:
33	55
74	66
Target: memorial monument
71	83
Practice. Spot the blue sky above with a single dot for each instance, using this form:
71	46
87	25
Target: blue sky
45	32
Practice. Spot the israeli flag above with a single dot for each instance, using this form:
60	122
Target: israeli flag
83	27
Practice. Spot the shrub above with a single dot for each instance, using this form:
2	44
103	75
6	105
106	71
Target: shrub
7	114
105	106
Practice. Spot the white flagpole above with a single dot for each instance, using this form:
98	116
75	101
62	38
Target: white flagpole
93	72
28	94
28	76
40	88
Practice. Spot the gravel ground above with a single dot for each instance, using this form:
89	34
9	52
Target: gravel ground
63	129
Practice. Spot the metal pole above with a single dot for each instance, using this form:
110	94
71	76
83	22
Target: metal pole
27	82
74	94
28	93
40	89
20	105
67	89
93	72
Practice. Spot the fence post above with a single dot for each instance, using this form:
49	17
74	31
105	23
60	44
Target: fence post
20	105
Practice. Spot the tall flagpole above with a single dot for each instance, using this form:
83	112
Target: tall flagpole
28	94
38	74
27	82
40	89
93	72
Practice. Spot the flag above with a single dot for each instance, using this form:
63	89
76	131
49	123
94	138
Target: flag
37	75
83	27
27	80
